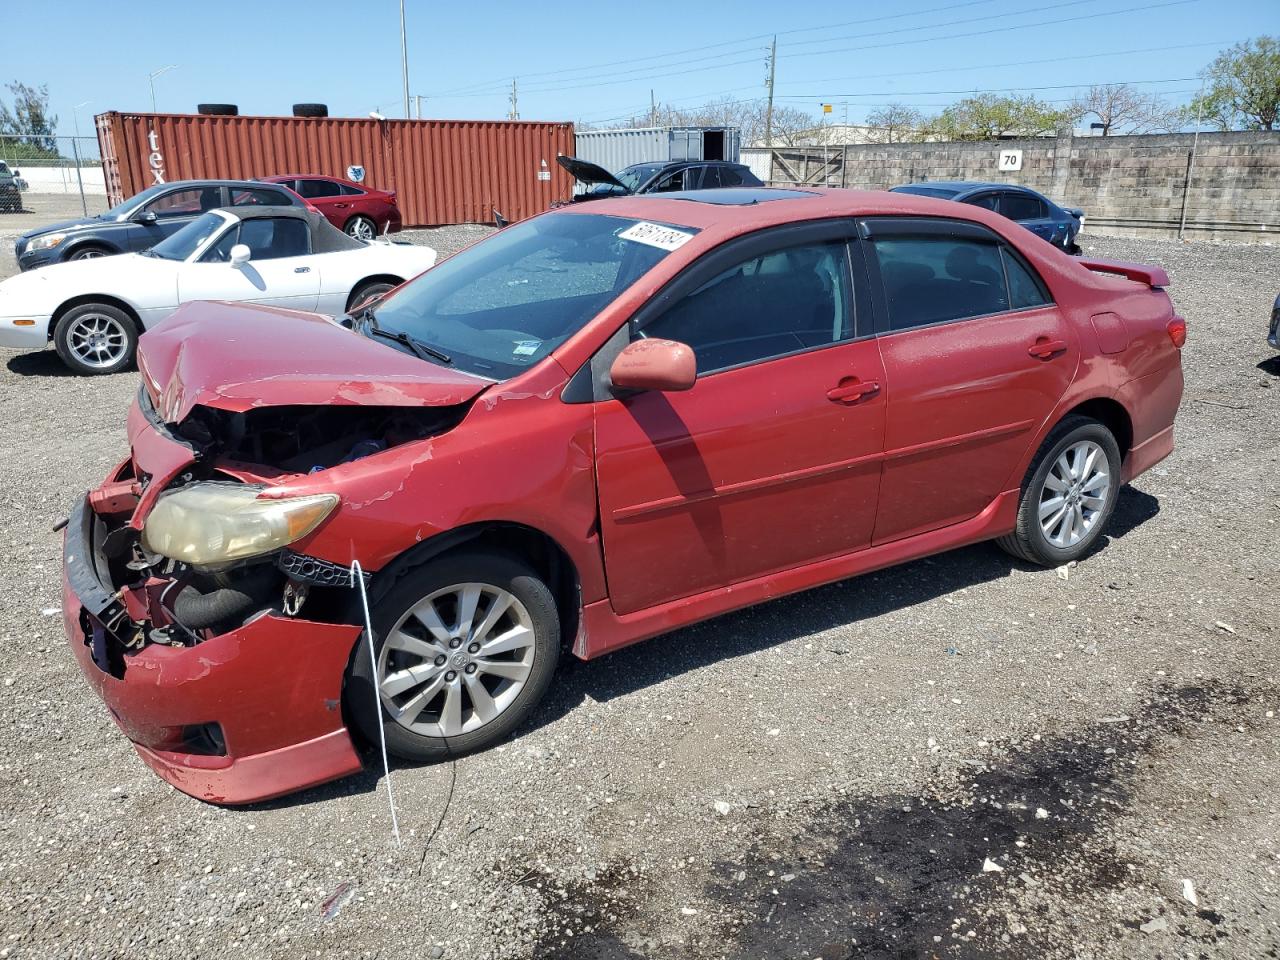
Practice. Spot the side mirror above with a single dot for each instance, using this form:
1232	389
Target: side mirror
655	365
145	216
17	173
240	255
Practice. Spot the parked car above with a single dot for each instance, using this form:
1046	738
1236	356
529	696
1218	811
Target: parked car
359	210
1273	334
594	426
658	177
93	311
11	186
143	220
1059	225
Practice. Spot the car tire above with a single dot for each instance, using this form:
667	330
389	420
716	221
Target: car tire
96	338
362	228
90	251
430	676
1068	495
367	291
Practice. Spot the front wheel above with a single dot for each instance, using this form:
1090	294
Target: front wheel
466	645
95	338
1068	495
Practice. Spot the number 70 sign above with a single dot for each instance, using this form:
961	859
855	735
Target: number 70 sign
1010	159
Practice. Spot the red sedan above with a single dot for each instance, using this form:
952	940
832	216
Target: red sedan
361	211
595	426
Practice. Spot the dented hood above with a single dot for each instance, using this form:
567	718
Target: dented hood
236	357
588	172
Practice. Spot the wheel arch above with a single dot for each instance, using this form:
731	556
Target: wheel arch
1111	413
390	278
104	298
77	245
540	550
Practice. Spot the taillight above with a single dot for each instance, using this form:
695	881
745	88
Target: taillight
1177	331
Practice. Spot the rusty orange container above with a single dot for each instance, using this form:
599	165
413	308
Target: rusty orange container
442	171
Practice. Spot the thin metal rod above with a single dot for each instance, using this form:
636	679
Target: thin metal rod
75	152
357	580
404	60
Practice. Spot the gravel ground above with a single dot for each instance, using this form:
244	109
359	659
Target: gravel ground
960	757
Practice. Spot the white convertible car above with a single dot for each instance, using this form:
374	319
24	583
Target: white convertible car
94	310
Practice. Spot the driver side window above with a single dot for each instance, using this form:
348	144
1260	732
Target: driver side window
788	300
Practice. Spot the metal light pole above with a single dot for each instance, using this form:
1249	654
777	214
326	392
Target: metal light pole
75	116
152	77
404	60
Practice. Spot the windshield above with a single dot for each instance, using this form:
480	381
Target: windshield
635	175
187	241
499	307
132	202
941	193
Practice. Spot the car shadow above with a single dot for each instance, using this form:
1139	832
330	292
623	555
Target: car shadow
1271	365
748	631
814	611
39	363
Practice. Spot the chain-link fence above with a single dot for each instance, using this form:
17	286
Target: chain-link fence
46	179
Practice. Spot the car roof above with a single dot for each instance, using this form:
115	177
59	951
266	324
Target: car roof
671	164
785	205
211	183
965	186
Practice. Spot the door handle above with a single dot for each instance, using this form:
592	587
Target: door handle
851	390
1044	348
301	269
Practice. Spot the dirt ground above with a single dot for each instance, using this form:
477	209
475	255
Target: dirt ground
963	757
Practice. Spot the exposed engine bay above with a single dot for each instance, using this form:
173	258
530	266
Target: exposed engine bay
163	600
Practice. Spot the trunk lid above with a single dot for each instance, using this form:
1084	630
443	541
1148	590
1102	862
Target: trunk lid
236	357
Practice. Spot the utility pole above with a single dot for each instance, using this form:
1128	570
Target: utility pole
152	78
404	60
417	99
515	102
653	109
768	114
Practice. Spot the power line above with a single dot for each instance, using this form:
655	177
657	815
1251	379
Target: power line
930	93
723	43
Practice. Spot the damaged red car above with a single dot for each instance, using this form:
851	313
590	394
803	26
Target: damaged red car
592	427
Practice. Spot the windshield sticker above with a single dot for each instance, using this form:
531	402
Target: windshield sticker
656	235
526	348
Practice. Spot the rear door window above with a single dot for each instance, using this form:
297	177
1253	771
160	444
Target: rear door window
1021	206
258	196
318	189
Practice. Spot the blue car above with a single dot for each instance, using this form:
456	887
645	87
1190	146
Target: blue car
143	220
1059	225
1273	332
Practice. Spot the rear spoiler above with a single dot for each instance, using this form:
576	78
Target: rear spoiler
1154	277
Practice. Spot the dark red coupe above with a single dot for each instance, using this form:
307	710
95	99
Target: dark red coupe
361	211
605	422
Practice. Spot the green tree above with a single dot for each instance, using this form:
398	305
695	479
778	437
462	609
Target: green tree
1242	87
29	122
987	116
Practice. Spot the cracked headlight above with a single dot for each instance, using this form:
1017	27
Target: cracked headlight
46	242
214	523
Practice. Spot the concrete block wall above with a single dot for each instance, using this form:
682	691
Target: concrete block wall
1129	185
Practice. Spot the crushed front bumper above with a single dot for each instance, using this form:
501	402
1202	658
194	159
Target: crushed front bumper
271	689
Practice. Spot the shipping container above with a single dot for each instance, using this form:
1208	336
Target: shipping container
442	171
617	149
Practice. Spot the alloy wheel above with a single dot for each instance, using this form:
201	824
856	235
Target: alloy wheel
90	254
362	228
1074	494
97	340
456	660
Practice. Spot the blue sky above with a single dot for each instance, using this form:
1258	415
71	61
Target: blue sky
597	66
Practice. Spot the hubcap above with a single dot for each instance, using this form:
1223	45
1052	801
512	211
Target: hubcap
97	340
362	229
456	660
1074	494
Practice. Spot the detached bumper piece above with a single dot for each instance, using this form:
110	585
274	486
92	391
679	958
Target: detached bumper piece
244	716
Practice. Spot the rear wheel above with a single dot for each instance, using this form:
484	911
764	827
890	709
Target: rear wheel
362	228
466	645
95	338
367	291
1068	495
